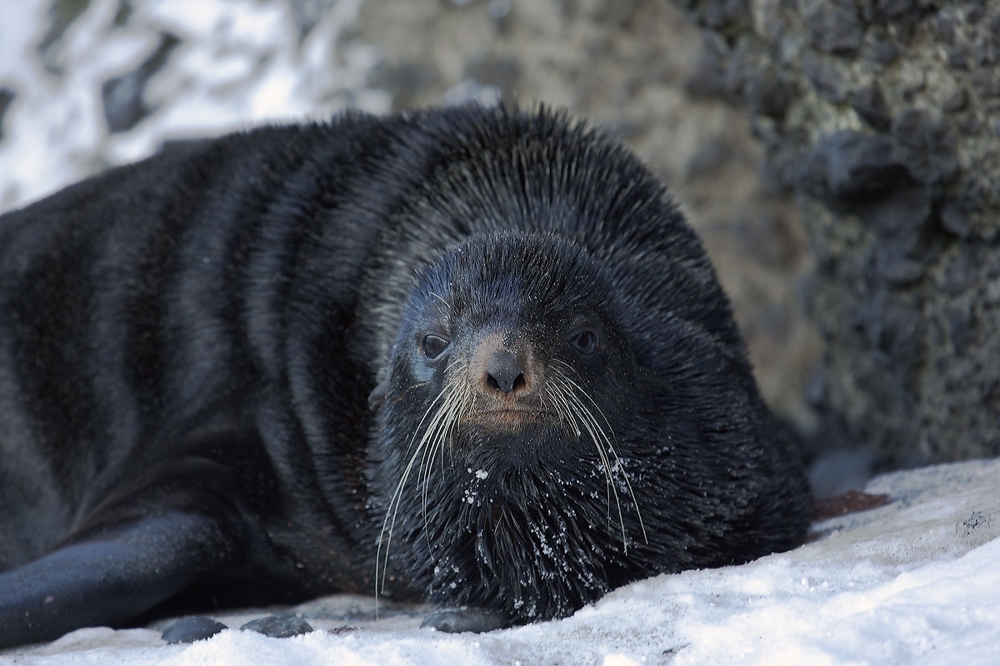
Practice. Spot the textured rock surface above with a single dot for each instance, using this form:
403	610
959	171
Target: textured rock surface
884	117
283	625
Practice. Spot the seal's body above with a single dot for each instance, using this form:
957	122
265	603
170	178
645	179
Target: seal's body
470	355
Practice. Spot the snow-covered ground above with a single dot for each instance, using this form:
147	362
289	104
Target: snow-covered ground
914	582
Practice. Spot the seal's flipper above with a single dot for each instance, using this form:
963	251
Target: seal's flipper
108	578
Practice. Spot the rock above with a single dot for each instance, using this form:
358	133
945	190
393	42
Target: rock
6	98
847	164
279	626
925	147
890	135
191	629
869	103
124	105
464	620
825	76
834	25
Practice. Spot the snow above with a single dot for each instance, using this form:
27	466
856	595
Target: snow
914	582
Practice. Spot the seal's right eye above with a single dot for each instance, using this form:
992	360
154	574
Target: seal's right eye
434	345
584	340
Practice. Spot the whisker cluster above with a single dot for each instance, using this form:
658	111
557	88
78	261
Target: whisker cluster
571	403
564	394
446	410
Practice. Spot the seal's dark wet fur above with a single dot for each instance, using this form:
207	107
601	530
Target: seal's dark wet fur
560	399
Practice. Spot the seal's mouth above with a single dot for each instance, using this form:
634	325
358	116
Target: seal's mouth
512	416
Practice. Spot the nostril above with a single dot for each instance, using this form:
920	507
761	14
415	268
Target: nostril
519	382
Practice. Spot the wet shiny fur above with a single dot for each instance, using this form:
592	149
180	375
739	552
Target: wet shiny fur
469	355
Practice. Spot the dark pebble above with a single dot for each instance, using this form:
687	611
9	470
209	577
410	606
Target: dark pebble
463	620
834	25
847	164
191	629
903	213
279	626
768	93
869	103
925	147
6	97
122	96
885	52
824	75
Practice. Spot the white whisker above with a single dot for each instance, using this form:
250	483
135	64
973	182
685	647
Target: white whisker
603	443
444	412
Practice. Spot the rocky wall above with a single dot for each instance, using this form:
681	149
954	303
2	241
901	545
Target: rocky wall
883	116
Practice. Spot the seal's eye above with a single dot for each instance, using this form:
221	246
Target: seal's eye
434	345
584	340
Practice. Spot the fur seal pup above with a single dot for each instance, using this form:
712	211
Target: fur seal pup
470	355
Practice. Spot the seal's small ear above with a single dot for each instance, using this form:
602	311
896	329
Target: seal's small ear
377	396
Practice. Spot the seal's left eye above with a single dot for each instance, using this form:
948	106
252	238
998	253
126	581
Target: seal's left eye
584	340
434	345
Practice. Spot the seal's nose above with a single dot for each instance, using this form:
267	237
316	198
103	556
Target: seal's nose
504	372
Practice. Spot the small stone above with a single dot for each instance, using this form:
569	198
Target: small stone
955	101
768	94
825	76
903	213
957	59
961	273
893	9
893	266
960	330
925	147
464	620
279	626
895	328
122	96
953	219
869	103
847	164
191	629
834	25
721	15
885	52
986	82
6	98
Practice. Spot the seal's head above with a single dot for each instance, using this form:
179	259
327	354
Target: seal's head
504	478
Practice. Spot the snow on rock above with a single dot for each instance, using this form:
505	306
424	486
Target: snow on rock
913	582
229	66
